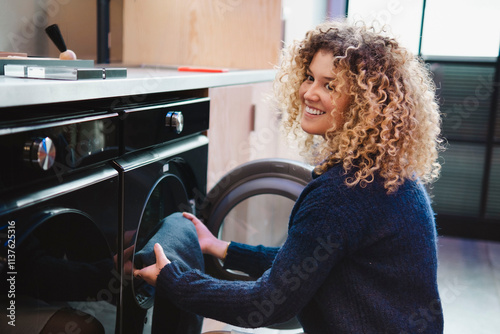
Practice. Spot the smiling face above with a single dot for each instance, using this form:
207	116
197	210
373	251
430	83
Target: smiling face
322	106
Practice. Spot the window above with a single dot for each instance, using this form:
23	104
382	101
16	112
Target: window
450	27
461	28
402	18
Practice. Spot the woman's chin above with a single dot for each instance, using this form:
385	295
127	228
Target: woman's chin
311	129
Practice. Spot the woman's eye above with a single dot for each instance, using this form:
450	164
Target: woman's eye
309	77
329	87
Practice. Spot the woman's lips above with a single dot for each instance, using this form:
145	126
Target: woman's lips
313	111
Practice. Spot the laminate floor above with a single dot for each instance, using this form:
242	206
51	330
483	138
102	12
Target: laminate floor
469	283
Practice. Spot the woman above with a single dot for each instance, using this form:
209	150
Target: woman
360	256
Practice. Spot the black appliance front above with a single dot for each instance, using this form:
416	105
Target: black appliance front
59	224
57	254
35	150
157	182
160	122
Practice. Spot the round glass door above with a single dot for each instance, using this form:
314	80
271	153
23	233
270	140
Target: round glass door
64	260
258	220
252	204
167	196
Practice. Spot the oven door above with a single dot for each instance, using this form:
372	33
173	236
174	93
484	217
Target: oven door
252	204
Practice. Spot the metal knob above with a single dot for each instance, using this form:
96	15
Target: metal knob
175	120
40	152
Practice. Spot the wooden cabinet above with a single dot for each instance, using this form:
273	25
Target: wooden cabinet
229	129
244	126
226	33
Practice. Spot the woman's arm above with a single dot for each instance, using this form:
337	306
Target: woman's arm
253	260
276	296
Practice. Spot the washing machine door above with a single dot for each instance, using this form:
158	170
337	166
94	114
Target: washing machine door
252	204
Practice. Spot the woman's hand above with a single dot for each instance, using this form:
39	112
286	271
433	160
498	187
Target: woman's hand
209	244
127	254
127	260
150	273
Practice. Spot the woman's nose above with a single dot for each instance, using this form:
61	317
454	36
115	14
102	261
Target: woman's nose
311	93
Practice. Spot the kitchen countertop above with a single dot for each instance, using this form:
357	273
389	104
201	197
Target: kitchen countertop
140	80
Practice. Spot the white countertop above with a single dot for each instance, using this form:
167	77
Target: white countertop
140	80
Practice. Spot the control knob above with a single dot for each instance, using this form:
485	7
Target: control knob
40	153
175	120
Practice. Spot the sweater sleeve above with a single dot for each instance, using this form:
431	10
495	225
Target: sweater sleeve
300	267
253	260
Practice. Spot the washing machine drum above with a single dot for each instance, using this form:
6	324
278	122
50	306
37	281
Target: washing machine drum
252	204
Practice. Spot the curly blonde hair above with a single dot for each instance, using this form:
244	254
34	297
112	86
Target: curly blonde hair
392	126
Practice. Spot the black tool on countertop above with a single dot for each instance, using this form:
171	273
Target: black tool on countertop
56	37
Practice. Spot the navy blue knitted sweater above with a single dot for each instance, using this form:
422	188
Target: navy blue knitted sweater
356	260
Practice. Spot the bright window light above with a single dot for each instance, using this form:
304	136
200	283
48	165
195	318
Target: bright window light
401	18
462	28
451	27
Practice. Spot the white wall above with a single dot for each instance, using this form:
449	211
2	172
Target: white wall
21	27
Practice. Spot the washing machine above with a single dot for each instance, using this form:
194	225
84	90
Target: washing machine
58	220
164	169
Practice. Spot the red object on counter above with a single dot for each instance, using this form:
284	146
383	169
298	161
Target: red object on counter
202	69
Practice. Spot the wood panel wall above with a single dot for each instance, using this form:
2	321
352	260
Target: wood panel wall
242	34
